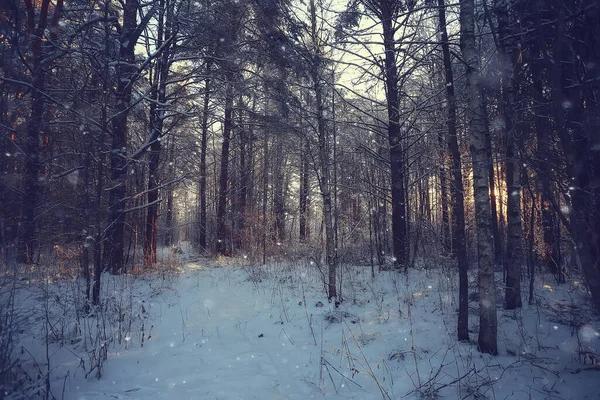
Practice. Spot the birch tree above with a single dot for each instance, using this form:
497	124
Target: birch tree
487	340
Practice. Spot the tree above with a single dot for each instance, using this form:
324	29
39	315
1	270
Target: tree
316	72
487	341
165	38
459	246
509	54
41	34
388	12
127	73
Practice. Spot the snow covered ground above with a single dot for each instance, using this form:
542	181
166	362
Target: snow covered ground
219	331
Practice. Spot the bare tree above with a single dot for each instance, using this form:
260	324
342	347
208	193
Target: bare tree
459	246
509	53
487	341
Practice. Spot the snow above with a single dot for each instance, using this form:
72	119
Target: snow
231	329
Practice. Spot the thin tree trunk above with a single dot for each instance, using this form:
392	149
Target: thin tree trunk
456	187
399	228
278	191
496	231
203	148
265	189
244	182
169	220
37	36
115	239
86	220
446	244
324	158
514	238
487	341
99	237
304	190
224	171
156	128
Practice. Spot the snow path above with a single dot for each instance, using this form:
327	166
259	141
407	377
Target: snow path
213	333
205	344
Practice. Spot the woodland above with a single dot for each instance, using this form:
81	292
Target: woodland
395	135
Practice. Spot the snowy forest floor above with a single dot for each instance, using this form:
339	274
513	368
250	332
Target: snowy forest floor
218	329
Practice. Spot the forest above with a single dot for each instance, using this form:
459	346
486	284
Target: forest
342	144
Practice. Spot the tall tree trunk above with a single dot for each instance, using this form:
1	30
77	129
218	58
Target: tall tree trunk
399	232
496	230
265	189
304	190
446	245
38	35
115	239
99	187
487	341
244	182
224	170
324	157
514	239
159	90
456	187
169	215
203	148
85	218
278	191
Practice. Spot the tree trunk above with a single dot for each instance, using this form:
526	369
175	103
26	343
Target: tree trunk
278	191
156	132
487	341
324	158
38	36
496	230
456	187
203	148
224	171
400	240
244	182
446	245
514	239
304	191
115	240
265	189
98	220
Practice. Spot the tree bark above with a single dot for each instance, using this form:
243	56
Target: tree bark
203	148
279	191
37	37
304	191
324	157
224	170
156	132
115	239
399	232
514	239
487	341
456	187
